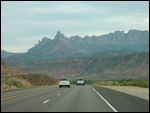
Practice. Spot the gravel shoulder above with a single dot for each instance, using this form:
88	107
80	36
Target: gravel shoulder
135	91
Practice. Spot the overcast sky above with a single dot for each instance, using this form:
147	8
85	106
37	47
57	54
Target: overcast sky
23	23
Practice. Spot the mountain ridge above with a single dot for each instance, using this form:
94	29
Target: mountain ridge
92	55
76	46
6	54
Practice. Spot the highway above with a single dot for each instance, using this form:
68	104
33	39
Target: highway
74	99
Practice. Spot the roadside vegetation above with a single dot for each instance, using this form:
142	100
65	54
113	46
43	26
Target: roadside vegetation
13	83
26	81
123	82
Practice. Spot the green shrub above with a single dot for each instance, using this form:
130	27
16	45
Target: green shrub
15	83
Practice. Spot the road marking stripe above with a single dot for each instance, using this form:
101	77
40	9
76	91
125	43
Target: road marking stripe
58	94
45	101
105	100
24	94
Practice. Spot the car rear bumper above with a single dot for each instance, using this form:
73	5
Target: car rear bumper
80	83
64	86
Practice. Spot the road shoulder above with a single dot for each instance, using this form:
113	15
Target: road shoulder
135	91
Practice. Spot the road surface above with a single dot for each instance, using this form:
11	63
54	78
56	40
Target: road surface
74	99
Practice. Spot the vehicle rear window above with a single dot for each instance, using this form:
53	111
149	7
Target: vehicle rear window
80	79
63	80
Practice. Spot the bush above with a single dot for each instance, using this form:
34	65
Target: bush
15	83
143	83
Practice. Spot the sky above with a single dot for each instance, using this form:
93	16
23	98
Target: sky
23	23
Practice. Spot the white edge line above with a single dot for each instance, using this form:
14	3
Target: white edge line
105	100
45	101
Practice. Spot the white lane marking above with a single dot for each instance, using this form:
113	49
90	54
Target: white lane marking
45	101
65	90
58	94
105	100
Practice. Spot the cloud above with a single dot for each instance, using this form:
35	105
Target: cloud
66	8
146	20
24	22
99	33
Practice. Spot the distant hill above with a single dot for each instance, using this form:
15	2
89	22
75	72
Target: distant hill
134	66
76	46
111	54
103	65
6	54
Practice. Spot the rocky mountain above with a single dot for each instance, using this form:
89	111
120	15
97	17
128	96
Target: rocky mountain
102	65
134	40
76	46
106	56
57	48
48	49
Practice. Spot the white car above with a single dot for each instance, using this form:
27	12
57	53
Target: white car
64	82
80	81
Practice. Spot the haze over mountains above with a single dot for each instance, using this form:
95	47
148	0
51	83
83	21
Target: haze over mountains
114	55
6	54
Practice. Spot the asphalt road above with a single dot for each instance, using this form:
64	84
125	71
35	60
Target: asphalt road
74	99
